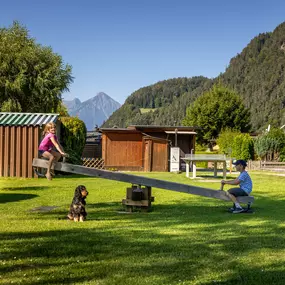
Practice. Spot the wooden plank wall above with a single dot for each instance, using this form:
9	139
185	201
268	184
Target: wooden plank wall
18	147
186	142
1	150
159	156
92	151
122	151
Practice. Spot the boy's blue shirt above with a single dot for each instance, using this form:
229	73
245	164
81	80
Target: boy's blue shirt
245	182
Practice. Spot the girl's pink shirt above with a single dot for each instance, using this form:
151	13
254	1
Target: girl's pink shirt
46	144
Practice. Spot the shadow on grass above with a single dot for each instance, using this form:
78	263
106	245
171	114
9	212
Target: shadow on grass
254	275
170	215
72	175
6	198
25	188
120	255
95	211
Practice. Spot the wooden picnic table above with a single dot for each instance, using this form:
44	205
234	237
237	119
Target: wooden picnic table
194	158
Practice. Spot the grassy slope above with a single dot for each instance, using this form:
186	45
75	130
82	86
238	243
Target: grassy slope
186	239
146	110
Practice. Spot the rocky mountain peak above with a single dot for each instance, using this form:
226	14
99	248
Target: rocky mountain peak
93	111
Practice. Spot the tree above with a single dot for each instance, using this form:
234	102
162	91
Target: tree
62	110
11	106
32	77
215	110
271	145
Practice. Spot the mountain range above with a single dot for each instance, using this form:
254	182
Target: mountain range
94	111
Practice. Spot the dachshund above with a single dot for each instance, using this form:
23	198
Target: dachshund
77	210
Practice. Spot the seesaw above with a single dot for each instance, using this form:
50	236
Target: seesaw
137	195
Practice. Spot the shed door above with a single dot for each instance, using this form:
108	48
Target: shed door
159	156
155	155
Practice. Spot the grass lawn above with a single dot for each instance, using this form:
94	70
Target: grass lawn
146	110
186	239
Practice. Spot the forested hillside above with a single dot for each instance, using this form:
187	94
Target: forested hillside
256	74
167	99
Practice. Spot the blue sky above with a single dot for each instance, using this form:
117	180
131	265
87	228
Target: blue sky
119	46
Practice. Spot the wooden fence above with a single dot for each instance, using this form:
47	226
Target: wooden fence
266	165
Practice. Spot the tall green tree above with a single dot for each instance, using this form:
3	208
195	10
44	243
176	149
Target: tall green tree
32	76
215	110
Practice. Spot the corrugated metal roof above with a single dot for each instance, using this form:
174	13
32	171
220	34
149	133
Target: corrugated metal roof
26	119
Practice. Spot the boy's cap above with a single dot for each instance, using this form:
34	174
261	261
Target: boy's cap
241	162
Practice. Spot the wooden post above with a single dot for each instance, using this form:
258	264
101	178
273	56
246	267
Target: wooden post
194	169
215	169
187	168
224	169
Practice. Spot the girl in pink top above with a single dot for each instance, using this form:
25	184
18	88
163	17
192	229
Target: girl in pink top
47	145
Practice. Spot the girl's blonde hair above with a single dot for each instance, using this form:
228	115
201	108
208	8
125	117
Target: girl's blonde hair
48	126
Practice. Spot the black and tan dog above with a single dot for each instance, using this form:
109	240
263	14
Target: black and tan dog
77	210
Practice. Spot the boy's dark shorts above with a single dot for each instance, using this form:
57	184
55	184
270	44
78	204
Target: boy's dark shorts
237	192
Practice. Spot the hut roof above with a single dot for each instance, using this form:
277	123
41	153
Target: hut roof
150	128
26	119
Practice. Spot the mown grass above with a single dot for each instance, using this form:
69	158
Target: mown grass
186	239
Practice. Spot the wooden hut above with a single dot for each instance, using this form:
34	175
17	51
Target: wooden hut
144	148
20	135
93	146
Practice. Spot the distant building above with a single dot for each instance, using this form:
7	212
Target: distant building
144	148
93	146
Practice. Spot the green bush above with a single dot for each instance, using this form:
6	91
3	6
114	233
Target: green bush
282	155
203	164
225	141
199	148
235	144
271	145
73	137
243	147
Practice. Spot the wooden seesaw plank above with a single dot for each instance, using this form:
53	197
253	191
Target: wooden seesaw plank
139	180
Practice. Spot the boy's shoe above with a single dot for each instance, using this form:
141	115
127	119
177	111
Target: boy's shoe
233	208
238	210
